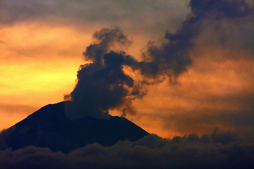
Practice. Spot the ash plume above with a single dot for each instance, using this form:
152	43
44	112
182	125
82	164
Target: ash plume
103	85
173	56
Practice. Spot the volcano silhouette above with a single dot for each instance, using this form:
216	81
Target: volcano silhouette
49	127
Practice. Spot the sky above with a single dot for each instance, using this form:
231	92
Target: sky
202	50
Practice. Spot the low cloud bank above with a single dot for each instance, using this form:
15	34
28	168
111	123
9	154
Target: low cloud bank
208	151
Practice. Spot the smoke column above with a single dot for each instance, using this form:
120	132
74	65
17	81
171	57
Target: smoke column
103	85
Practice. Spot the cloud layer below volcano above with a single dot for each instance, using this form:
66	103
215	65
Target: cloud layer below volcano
214	151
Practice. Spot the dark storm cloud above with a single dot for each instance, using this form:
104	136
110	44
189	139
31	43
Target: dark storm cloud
208	151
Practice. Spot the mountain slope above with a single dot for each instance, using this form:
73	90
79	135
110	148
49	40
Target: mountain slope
49	127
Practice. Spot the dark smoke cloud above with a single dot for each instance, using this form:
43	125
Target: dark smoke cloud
218	25
208	151
173	57
226	24
219	9
103	85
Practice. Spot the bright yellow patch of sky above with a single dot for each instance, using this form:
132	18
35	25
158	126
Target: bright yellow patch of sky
38	66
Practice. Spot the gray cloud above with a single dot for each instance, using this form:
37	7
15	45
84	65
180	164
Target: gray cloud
208	151
134	15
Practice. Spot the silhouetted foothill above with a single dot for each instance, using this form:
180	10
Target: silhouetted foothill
49	127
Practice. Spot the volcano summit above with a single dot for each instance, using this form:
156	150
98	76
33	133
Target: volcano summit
49	127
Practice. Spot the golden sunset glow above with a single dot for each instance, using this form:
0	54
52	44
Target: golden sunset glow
38	66
202	93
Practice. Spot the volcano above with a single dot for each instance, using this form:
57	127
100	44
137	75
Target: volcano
49	127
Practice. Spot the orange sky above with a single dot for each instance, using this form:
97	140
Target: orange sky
39	65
